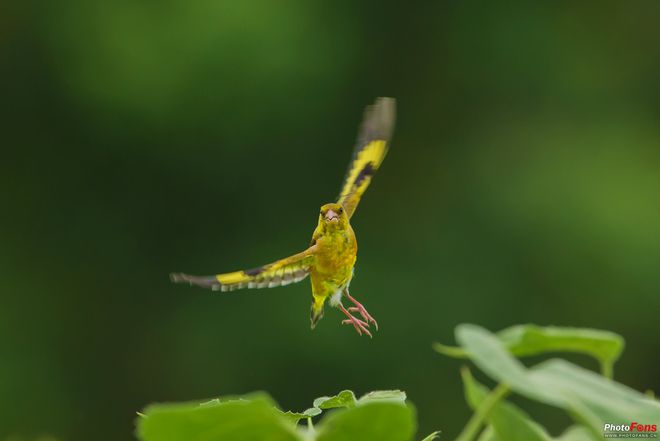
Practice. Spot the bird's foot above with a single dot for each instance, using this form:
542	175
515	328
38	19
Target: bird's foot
362	310
359	325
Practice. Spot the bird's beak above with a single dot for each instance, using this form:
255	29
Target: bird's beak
331	216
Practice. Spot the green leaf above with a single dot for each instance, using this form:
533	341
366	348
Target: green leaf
432	436
244	419
295	417
507	420
525	340
371	421
489	354
573	433
590	398
345	398
578	433
449	351
383	395
488	435
312	412
605	399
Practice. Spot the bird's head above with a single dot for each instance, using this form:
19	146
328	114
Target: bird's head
333	217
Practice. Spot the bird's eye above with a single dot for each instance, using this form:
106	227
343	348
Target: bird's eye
341	210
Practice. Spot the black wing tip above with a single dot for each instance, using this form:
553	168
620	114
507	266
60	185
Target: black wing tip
201	281
177	277
385	102
378	121
254	271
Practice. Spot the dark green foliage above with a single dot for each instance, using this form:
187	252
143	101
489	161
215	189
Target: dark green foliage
589	398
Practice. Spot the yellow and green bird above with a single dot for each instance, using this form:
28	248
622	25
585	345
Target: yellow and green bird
330	258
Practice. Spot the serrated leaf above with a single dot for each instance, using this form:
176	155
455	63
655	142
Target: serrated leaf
345	398
312	412
247	419
383	395
295	417
371	421
213	402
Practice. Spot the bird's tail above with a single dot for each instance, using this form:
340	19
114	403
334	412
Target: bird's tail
316	310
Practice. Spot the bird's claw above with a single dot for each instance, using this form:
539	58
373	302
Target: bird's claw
359	325
356	320
363	312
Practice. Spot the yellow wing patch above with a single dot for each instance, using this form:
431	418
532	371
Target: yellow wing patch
282	272
369	152
232	278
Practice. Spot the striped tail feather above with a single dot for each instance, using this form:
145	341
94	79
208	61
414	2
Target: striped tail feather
282	272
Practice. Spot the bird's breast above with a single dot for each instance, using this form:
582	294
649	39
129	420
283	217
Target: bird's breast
336	256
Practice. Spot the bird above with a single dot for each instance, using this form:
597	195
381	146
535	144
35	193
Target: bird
330	258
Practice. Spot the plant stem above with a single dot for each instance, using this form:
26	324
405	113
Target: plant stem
471	429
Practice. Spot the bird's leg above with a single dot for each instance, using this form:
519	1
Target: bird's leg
359	325
361	309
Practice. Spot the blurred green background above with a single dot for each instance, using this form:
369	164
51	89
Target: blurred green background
143	137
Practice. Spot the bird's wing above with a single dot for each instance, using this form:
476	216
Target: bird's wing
291	269
370	150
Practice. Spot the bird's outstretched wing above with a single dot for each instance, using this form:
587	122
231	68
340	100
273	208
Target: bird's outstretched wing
282	272
369	152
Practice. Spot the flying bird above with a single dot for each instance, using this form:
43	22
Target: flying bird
330	258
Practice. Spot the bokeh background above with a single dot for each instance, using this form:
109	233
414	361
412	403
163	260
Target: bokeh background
143	137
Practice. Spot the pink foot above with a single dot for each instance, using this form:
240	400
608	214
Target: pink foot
361	309
359	325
